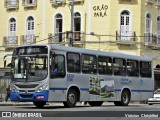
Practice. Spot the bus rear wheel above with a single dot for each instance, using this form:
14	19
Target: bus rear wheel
95	103
39	104
71	99
125	98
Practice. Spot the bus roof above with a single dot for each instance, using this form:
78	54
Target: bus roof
93	52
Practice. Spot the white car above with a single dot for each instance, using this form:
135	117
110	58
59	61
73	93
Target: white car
155	99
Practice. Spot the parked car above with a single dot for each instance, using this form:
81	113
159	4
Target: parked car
155	99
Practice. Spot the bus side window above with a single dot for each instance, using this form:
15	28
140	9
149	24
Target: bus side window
58	69
104	65
145	69
89	64
132	68
119	66
73	62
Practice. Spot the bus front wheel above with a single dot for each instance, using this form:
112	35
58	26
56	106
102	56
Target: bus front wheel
95	103
39	104
125	98
71	98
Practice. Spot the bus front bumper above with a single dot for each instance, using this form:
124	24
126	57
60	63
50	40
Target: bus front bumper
29	97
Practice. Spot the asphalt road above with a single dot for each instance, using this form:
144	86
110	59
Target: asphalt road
106	112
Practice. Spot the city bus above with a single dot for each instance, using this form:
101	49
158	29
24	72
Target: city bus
51	73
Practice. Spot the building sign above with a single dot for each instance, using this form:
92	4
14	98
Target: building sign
100	11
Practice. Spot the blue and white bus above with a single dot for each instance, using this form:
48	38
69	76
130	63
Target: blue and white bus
52	73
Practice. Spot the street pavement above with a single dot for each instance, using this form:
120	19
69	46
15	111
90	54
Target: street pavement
9	103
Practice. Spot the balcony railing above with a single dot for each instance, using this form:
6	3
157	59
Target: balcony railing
131	1
57	2
77	36
81	1
10	41
157	3
126	36
57	38
151	39
11	4
150	1
29	3
28	39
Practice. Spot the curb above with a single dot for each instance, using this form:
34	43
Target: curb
15	104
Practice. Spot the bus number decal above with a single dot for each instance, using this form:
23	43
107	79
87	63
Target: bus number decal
70	77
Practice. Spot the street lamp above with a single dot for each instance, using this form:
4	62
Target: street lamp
72	23
98	36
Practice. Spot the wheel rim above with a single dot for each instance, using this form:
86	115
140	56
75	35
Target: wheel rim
71	98
125	97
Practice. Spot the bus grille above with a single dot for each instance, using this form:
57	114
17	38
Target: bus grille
26	96
27	86
27	91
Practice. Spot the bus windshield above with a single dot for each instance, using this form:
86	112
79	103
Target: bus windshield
29	68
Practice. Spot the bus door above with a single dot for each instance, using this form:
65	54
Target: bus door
57	83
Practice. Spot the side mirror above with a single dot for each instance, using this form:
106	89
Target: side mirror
52	53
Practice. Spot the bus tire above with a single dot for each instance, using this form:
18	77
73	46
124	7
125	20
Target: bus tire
95	103
125	98
39	104
71	99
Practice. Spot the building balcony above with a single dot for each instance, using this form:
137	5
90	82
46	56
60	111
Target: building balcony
126	37
57	2
10	41
150	2
77	37
131	1
29	3
56	38
11	4
151	39
28	39
157	3
77	1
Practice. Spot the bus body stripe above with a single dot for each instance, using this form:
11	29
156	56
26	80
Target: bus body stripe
57	88
83	89
118	90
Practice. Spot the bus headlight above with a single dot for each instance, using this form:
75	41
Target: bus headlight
42	88
14	89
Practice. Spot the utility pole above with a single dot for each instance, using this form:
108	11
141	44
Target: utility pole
72	23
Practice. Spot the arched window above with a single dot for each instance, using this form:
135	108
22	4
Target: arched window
77	26
58	28
30	29
30	1
125	28
148	36
148	23
12	27
158	25
12	31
